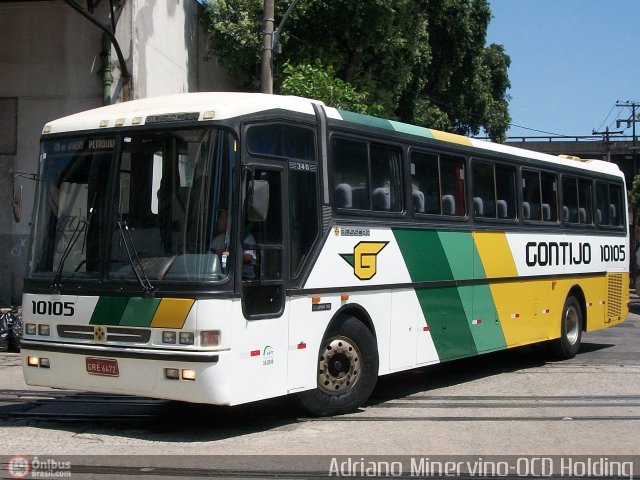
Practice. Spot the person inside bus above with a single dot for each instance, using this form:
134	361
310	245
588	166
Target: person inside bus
220	247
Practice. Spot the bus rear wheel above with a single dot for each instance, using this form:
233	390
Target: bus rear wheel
347	369
571	325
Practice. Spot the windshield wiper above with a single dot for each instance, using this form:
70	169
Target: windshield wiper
143	280
57	279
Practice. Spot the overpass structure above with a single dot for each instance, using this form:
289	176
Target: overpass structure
621	150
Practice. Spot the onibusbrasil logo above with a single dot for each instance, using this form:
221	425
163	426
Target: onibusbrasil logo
364	259
21	467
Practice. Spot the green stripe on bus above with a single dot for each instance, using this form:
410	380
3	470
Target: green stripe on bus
487	335
481	315
109	311
139	312
443	308
468	322
365	120
411	129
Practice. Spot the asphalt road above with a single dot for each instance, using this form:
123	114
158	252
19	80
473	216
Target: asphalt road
515	402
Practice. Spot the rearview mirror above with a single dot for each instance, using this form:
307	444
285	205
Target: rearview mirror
258	200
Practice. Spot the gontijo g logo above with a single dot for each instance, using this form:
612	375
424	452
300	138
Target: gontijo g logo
364	259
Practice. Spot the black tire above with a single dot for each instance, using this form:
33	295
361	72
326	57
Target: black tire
571	325
347	369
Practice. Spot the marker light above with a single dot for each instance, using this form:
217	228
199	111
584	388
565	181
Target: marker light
210	338
33	361
188	374
168	337
186	338
172	373
44	330
44	363
30	328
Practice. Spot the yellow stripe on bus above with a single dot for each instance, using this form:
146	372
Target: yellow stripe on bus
515	301
172	313
495	254
450	137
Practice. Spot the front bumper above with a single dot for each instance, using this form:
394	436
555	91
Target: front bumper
141	371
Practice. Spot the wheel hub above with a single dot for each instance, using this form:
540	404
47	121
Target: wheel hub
339	367
572	325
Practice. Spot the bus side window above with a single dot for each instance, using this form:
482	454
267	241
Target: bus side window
570	199
351	172
585	201
452	186
506	192
425	181
616	205
385	178
602	204
531	195
484	193
549	184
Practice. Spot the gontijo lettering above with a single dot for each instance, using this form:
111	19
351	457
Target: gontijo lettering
545	254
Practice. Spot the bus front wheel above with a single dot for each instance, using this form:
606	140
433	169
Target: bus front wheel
571	325
347	369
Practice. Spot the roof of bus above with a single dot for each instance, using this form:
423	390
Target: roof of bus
224	105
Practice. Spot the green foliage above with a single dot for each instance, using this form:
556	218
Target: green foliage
233	27
419	61
634	195
320	82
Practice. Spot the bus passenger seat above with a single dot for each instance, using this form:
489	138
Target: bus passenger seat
503	212
418	201
598	216
478	207
448	205
582	212
342	196
546	212
381	199
565	213
526	210
613	214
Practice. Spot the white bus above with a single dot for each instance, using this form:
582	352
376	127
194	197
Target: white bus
224	248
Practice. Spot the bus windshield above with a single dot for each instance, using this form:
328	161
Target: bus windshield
139	207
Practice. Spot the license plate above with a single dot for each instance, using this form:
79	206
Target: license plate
107	367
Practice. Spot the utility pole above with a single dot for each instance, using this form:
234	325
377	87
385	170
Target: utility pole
266	74
270	43
606	135
631	121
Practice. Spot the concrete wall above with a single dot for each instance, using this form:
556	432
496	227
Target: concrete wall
49	58
50	67
166	47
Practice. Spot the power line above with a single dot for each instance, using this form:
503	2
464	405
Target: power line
535	130
606	118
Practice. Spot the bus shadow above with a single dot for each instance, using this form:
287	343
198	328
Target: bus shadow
448	374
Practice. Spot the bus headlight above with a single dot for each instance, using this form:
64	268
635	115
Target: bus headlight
168	337
44	330
30	328
186	338
210	338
